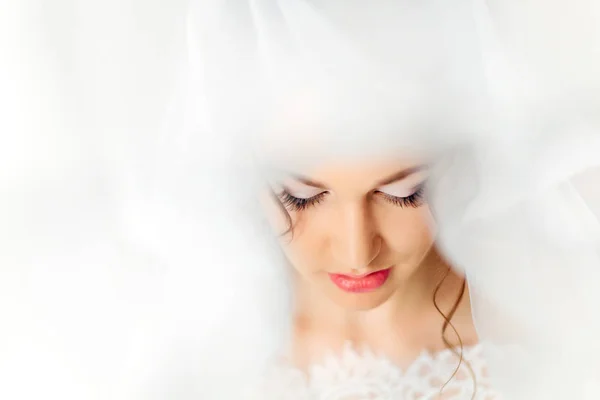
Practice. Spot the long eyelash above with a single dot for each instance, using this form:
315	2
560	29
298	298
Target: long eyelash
415	200
292	203
295	204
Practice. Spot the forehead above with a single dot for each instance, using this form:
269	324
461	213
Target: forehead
311	129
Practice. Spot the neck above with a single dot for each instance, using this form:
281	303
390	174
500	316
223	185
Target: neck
385	327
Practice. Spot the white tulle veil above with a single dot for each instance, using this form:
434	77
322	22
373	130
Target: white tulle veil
505	94
480	84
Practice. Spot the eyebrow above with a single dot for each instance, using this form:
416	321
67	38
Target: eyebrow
309	182
398	176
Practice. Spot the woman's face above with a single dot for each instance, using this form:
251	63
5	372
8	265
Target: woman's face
359	229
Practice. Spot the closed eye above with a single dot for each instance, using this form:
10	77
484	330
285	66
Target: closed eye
293	203
415	200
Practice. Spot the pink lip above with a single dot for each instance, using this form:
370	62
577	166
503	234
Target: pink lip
361	284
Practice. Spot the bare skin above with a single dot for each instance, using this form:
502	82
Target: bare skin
357	217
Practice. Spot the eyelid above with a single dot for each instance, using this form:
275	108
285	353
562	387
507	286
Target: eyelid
406	188
303	191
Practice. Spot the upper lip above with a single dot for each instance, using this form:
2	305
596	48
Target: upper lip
362	275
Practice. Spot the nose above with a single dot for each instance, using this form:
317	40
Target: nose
355	241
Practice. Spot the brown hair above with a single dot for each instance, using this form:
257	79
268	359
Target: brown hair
448	323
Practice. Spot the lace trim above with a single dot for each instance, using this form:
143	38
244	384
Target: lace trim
362	375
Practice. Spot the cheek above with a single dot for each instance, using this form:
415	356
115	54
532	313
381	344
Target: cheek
275	213
300	247
305	249
409	234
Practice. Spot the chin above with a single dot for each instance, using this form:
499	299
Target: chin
360	301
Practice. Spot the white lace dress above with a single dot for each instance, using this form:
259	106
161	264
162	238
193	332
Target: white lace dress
364	376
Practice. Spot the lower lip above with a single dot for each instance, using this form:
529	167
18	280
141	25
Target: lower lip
367	283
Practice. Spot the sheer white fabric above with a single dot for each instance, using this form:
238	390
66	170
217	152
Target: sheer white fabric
129	267
510	125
